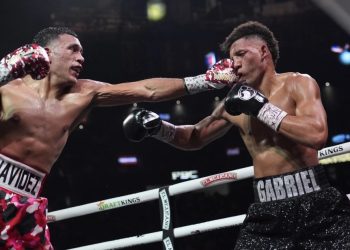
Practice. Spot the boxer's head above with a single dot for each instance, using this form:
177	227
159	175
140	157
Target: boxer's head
65	52
253	29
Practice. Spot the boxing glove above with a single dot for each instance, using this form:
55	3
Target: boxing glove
142	123
244	99
29	59
221	74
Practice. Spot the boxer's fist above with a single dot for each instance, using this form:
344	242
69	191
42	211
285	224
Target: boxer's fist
244	99
140	124
221	74
29	59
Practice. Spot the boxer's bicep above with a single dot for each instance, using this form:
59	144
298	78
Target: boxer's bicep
105	94
308	124
308	99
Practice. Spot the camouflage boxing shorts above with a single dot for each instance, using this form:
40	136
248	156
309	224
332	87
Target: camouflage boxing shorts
23	223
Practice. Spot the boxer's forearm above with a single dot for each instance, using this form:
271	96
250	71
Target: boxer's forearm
307	131
149	90
162	89
195	137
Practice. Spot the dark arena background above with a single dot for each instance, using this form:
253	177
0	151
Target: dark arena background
121	44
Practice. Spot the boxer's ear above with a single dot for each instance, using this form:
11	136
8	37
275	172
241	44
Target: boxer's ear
264	51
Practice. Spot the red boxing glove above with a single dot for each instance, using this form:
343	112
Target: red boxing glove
29	59
220	75
222	72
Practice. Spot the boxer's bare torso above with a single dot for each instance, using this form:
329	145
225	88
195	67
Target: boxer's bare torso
34	128
274	153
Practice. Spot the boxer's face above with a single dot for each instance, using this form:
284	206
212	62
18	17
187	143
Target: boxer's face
248	55
66	58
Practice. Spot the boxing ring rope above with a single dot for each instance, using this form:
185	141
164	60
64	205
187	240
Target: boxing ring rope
183	187
157	236
149	195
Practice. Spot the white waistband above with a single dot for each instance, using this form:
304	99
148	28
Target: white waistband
20	178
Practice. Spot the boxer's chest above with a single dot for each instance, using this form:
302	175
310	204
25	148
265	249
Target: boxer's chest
27	108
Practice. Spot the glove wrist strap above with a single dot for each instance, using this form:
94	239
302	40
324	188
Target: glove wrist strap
196	84
166	132
271	115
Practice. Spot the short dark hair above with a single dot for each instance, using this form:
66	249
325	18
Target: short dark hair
45	36
253	28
